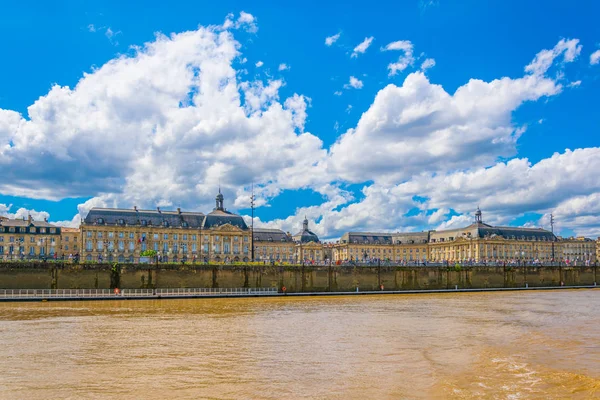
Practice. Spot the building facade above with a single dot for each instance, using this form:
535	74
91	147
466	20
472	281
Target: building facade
22	239
394	247
577	249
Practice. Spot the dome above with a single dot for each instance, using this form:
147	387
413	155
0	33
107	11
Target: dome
305	235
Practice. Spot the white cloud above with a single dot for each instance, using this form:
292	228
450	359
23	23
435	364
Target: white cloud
283	67
245	21
161	126
165	125
595	57
362	47
428	63
91	28
337	93
405	60
259	64
354	83
349	108
574	84
329	40
570	49
22	213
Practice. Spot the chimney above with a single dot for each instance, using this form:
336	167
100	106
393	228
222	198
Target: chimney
135	208
29	219
45	219
158	209
178	210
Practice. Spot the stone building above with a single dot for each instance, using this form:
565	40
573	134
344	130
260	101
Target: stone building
124	235
482	242
273	245
29	239
308	247
70	241
577	249
395	247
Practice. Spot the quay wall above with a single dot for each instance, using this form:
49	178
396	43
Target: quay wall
294	278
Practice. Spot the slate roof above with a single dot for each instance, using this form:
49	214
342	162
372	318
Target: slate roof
271	235
482	230
385	237
112	216
24	222
221	217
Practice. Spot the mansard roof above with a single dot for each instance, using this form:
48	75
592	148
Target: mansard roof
385	237
483	231
159	218
271	235
26	223
220	217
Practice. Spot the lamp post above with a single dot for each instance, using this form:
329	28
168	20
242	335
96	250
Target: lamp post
252	198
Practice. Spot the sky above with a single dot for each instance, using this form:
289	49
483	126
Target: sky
396	116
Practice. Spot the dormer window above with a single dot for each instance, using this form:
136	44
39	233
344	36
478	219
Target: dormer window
121	221
165	223
100	220
144	222
184	224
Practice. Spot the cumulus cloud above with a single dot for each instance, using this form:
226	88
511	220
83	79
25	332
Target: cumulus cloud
259	64
574	84
405	60
283	67
595	57
362	46
22	213
245	21
420	127
329	40
354	83
164	125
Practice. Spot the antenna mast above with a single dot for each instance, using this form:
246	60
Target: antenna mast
252	198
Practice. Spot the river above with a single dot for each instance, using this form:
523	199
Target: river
517	345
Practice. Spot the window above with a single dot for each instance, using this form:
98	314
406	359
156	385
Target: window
121	222
175	236
111	245
52	230
217	248
66	247
88	234
155	246
131	235
246	239
99	235
131	246
165	223
11	229
194	247
121	235
144	222
235	238
205	248
99	245
121	245
42	230
194	237
217	238
155	236
32	250
11	239
1	238
184	224
185	237
88	245
66	238
174	247
100	220
166	236
165	247
110	235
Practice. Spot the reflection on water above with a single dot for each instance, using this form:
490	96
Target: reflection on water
464	346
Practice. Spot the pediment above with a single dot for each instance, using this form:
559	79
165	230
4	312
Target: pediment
312	245
227	228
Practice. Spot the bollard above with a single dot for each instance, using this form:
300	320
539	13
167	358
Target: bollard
455	287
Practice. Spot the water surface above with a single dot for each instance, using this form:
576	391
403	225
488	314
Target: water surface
471	345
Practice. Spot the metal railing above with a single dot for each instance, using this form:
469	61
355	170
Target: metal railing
111	293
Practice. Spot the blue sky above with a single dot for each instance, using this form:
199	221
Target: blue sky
46	45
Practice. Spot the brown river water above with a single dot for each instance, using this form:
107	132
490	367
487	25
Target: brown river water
512	345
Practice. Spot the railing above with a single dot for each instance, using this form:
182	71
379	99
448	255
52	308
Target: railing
111	293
